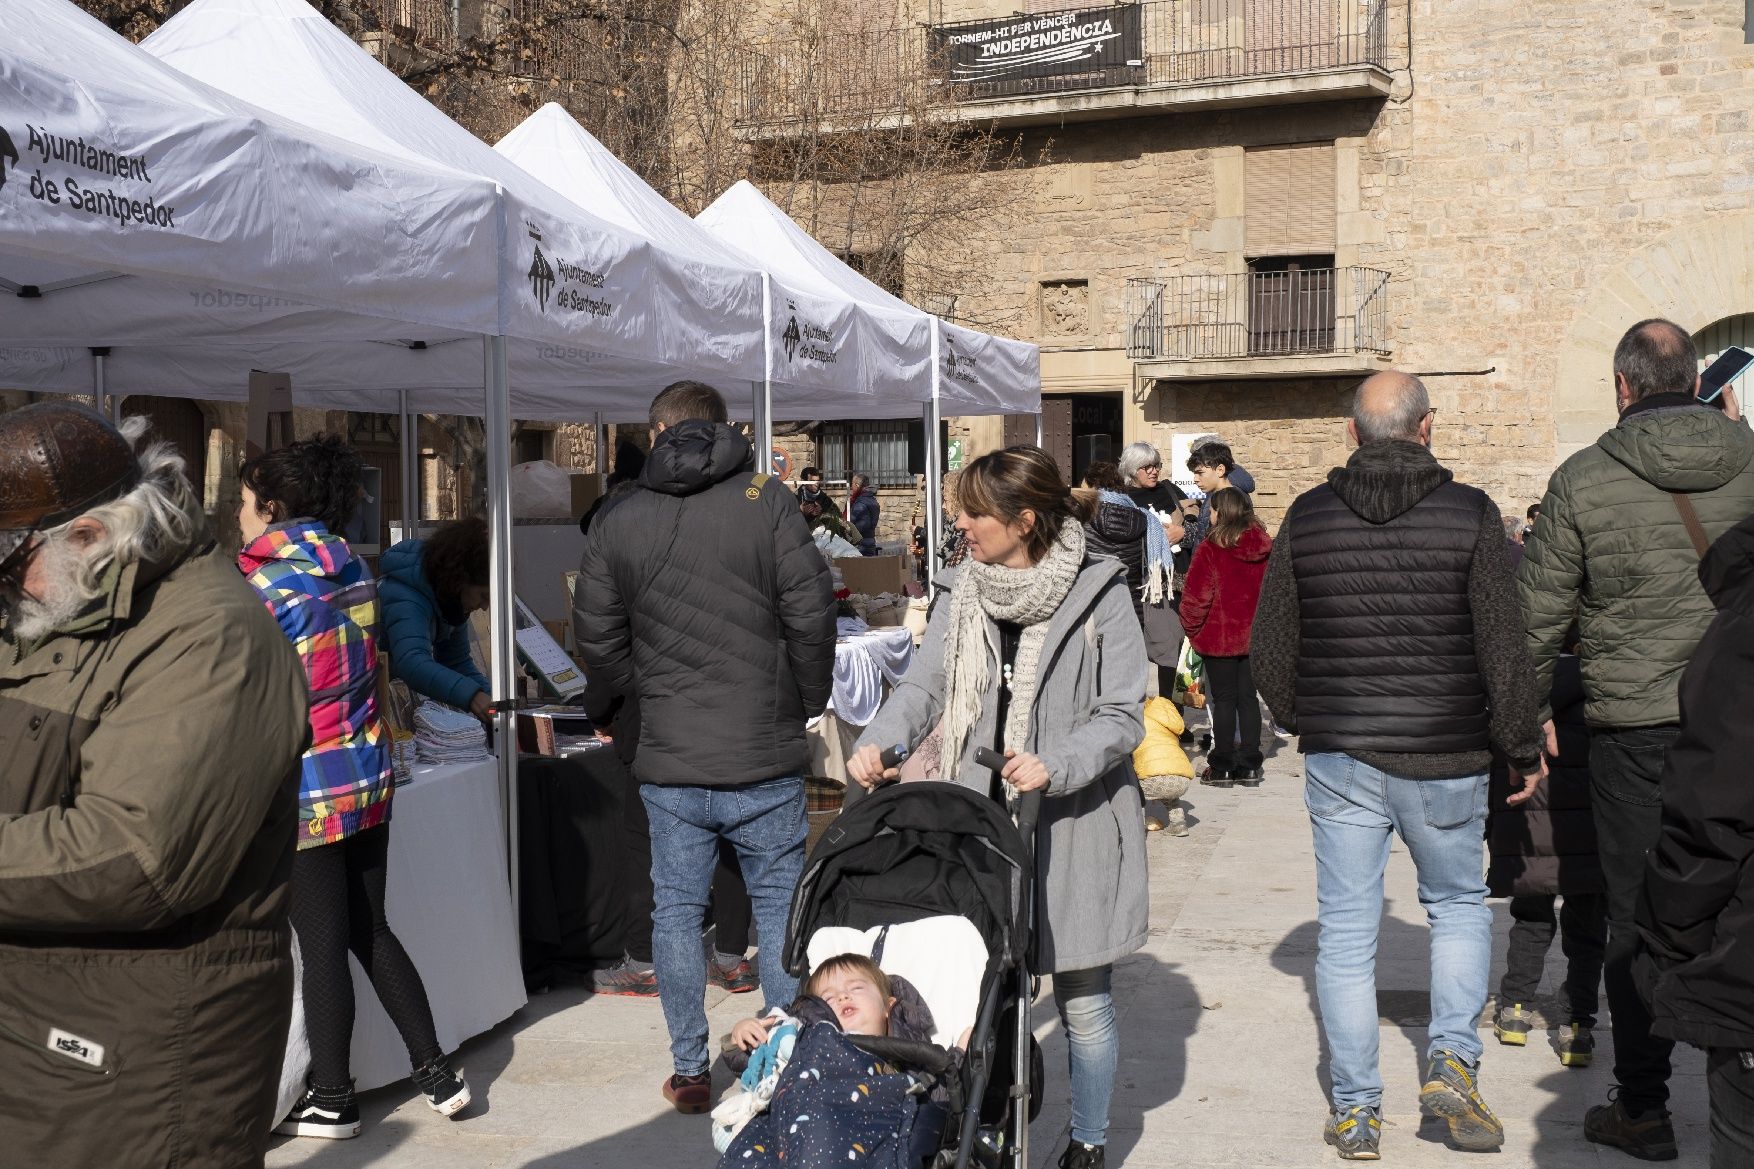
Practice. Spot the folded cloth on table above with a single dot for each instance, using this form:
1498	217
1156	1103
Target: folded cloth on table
444	734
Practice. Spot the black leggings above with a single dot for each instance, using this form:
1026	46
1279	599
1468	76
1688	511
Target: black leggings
337	906
1233	708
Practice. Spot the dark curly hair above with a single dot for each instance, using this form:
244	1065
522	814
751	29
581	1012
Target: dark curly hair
455	557
315	478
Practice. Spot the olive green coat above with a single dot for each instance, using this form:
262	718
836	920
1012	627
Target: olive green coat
149	759
1610	549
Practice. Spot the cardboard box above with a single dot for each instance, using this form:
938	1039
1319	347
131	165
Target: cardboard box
871	575
586	490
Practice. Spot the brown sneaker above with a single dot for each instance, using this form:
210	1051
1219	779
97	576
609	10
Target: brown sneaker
1649	1135
691	1095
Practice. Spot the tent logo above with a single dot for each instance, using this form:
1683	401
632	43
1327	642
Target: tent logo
541	273
792	335
7	151
960	369
807	341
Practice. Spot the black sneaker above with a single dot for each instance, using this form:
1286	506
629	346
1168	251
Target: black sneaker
1649	1136
1450	1091
445	1091
1216	777
1356	1133
1247	776
736	975
1079	1155
330	1116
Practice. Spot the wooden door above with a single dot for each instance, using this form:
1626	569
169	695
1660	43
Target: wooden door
181	423
1056	432
1290	36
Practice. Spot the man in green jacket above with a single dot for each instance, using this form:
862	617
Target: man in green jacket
1617	547
152	716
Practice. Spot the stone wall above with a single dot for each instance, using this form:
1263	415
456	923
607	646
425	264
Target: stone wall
1545	174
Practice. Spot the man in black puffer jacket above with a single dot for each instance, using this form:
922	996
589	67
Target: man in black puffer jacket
1388	636
704	595
1696	916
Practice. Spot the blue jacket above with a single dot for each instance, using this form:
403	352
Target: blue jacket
865	512
426	650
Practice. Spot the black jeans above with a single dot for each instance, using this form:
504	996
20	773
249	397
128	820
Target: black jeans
337	906
1729	1079
1625	767
731	908
1582	925
1232	691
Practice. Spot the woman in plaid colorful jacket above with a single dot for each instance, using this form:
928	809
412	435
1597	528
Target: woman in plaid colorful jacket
296	501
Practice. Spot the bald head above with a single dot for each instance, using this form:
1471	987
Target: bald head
1655	357
1390	405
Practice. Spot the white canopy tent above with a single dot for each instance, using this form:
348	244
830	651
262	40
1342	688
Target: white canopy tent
826	353
972	373
124	183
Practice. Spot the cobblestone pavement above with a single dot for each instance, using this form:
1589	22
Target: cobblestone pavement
1221	1055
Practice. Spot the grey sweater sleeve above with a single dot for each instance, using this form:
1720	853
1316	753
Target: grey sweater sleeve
1501	646
1277	638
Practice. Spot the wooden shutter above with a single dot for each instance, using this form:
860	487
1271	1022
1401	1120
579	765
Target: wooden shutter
1288	193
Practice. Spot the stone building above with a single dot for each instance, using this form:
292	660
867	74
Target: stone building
1237	208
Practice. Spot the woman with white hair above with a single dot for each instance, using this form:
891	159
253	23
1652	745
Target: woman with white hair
1141	467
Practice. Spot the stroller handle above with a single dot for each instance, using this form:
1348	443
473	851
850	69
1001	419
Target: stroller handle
1028	814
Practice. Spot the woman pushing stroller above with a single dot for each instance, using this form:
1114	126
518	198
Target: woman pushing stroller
1036	653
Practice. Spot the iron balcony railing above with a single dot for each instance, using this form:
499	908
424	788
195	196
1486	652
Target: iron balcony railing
1180	43
427	22
1258	314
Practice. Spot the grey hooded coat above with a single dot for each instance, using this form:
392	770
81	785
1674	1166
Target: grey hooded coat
1091	888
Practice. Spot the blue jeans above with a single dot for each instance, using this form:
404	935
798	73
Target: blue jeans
765	824
1093	1046
1354	810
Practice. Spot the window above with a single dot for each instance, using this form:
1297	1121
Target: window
1290	207
889	451
1291	304
532	445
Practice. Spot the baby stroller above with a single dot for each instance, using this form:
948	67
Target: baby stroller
933	881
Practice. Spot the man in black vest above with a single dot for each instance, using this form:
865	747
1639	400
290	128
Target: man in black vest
1388	637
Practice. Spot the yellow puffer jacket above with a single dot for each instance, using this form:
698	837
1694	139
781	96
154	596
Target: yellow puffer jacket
1161	752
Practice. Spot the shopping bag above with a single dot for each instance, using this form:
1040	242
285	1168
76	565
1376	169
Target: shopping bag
1163	634
1190	687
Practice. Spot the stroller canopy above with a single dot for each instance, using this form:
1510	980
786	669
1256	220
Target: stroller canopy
912	851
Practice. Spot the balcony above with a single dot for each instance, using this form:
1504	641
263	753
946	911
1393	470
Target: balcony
1322	322
1075	64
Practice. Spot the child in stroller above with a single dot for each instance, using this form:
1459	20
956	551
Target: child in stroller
932	881
810	1096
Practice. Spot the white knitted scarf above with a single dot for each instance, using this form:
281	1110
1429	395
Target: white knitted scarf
1024	596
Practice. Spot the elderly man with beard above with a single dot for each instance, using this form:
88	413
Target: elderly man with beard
152	716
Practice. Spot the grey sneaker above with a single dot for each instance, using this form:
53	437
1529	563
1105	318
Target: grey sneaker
1451	1092
1512	1025
626	977
1356	1133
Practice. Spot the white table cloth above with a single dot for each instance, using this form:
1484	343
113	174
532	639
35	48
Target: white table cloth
449	903
862	664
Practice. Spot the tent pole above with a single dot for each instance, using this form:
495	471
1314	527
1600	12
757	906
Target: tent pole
1039	436
502	597
408	431
100	391
934	472
764	427
601	436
